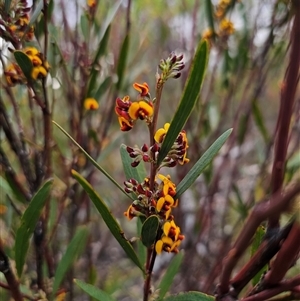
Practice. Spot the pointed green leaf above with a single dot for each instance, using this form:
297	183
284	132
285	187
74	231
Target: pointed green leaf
122	62
7	6
84	25
138	173
210	14
24	62
259	121
93	291
188	100
103	88
110	16
205	159
92	160
140	247
73	251
190	296
242	128
100	52
171	272
149	230
14	189
110	221
258	238
28	224
38	9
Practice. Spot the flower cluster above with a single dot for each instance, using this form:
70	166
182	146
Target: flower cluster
170	239
40	67
14	75
160	202
171	67
156	194
178	151
128	112
226	27
15	23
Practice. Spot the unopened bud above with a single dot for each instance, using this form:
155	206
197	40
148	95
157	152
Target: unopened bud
179	57
129	149
146	158
145	148
135	163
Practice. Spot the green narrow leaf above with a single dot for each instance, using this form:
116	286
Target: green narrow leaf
93	291
103	88
138	173
140	247
210	14
110	221
84	24
190	296
24	62
259	121
110	16
36	13
100	52
188	100
122	62
149	230
28	224
258	238
14	189
205	159
242	128
7	6
171	272
92	160
73	251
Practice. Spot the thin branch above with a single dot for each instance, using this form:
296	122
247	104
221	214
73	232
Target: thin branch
288	93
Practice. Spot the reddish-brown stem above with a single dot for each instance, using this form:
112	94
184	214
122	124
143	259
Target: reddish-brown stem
263	255
152	127
262	211
286	285
285	258
151	256
288	92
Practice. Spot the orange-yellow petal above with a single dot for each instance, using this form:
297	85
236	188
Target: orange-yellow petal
143	89
160	203
38	72
160	133
125	125
30	51
169	200
91	104
140	110
159	246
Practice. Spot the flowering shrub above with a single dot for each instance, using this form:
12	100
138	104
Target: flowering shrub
71	131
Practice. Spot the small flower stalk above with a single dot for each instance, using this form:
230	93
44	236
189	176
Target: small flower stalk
156	194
